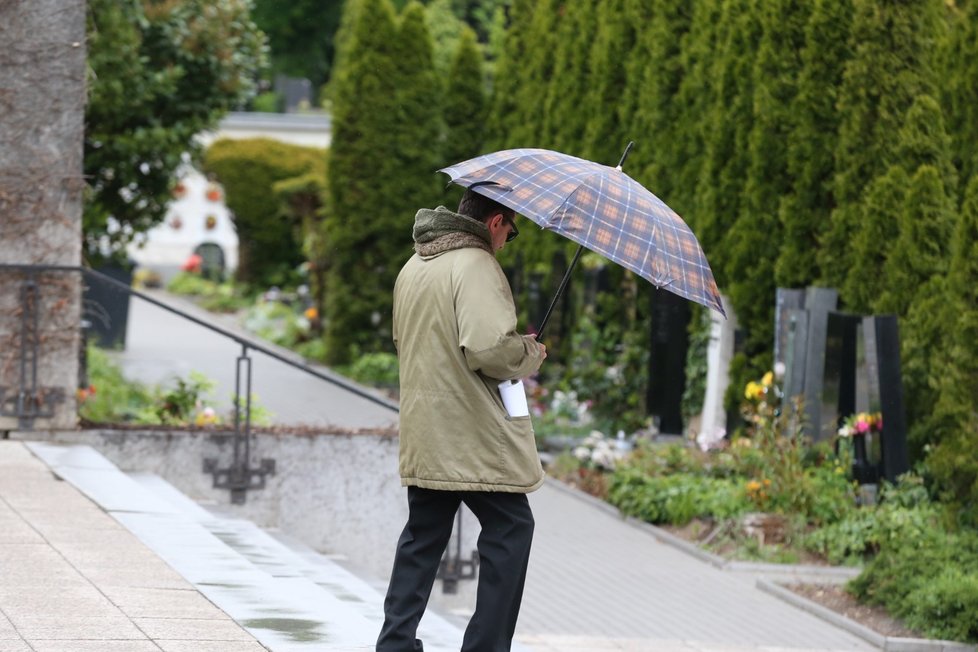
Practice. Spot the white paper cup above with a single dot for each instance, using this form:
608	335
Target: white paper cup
514	398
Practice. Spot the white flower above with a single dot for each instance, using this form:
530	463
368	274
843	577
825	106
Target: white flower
582	453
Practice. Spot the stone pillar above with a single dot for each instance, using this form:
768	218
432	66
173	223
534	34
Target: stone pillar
42	99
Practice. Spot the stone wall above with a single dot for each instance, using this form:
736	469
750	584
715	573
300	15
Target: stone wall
42	99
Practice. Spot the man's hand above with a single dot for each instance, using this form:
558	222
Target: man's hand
543	347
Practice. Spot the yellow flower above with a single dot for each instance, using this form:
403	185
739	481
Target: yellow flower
753	391
753	486
768	379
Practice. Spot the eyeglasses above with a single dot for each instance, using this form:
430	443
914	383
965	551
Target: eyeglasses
513	231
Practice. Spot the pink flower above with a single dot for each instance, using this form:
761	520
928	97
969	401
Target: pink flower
862	427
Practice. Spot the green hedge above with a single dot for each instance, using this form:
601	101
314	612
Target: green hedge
269	238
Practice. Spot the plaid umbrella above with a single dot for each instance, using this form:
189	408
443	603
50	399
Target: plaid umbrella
598	207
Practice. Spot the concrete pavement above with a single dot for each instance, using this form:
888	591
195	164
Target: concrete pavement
72	579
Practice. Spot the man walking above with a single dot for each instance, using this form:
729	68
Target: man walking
455	332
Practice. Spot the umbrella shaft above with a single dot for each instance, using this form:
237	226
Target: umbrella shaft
560	290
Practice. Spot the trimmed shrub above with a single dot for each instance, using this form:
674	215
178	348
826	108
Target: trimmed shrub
269	242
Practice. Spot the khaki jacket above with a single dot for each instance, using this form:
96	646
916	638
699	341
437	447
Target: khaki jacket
455	332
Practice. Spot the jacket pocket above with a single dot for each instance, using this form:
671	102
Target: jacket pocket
519	461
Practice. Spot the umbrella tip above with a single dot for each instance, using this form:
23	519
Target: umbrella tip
624	155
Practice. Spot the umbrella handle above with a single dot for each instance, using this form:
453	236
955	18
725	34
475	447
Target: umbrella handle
560	290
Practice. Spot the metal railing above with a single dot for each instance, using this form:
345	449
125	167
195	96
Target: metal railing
33	402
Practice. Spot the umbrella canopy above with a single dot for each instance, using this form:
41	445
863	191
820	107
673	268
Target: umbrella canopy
600	208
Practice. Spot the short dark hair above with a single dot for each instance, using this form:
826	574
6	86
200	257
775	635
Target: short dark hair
480	207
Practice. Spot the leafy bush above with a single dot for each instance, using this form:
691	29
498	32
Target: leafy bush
929	581
674	499
249	169
379	369
278	323
110	397
904	515
216	297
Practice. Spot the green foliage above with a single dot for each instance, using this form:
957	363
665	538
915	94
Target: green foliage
920	249
605	136
249	169
959	94
892	43
379	369
160	73
676	499
929	582
465	102
700	329
216	297
278	323
115	399
564	118
952	464
607	368
177	404
382	164
905	516
301	36
882	205
804	211
446	32
112	398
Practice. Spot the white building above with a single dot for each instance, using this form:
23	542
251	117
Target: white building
197	216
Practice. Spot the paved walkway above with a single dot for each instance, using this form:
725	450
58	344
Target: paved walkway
72	579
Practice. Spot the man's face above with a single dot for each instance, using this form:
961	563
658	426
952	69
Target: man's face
502	228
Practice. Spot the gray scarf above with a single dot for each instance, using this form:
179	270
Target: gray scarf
440	230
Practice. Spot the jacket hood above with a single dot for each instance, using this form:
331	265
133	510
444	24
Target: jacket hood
440	230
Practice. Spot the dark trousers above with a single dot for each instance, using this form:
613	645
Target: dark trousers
504	551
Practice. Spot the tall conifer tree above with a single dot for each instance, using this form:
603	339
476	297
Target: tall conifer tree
564	117
465	102
419	128
509	77
804	211
606	134
959	97
752	243
955	423
697	91
654	75
921	248
729	119
884	201
921	140
892	42
363	164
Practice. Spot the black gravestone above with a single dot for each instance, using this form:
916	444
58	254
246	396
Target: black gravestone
839	376
819	302
885	391
667	359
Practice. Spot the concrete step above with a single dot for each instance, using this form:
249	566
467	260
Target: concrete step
289	597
